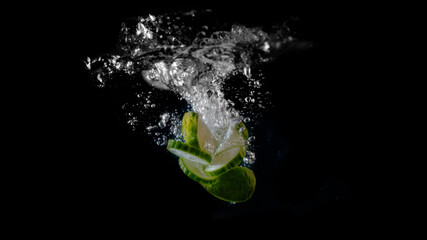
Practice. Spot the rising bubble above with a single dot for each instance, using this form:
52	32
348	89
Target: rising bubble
210	66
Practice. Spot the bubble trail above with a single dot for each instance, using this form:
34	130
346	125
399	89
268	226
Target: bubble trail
210	66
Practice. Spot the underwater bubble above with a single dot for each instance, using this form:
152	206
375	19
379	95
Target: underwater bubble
192	57
250	158
164	118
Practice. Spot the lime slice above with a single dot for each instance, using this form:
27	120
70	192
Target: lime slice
195	171
197	134
188	152
225	160
236	185
236	135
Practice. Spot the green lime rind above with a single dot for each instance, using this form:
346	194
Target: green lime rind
236	185
189	128
188	152
243	130
195	171
222	162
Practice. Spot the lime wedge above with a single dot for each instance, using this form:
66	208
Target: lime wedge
195	171
236	185
197	134
225	160
236	135
188	152
207	141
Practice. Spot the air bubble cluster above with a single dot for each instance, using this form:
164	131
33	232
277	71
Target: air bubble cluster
167	59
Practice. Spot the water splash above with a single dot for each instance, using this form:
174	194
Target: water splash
211	66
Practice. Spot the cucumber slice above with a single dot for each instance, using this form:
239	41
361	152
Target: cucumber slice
188	152
236	185
197	134
195	171
225	160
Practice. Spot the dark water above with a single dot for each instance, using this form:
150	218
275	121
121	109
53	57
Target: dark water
116	177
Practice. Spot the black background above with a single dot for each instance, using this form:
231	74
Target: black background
102	176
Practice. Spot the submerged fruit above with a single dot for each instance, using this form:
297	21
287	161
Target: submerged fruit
225	160
197	134
195	171
236	185
186	151
214	164
236	135
189	128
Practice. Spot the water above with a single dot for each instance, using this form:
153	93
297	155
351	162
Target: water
190	57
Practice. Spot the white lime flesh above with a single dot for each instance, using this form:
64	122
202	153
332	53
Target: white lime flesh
195	171
207	141
236	135
225	160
